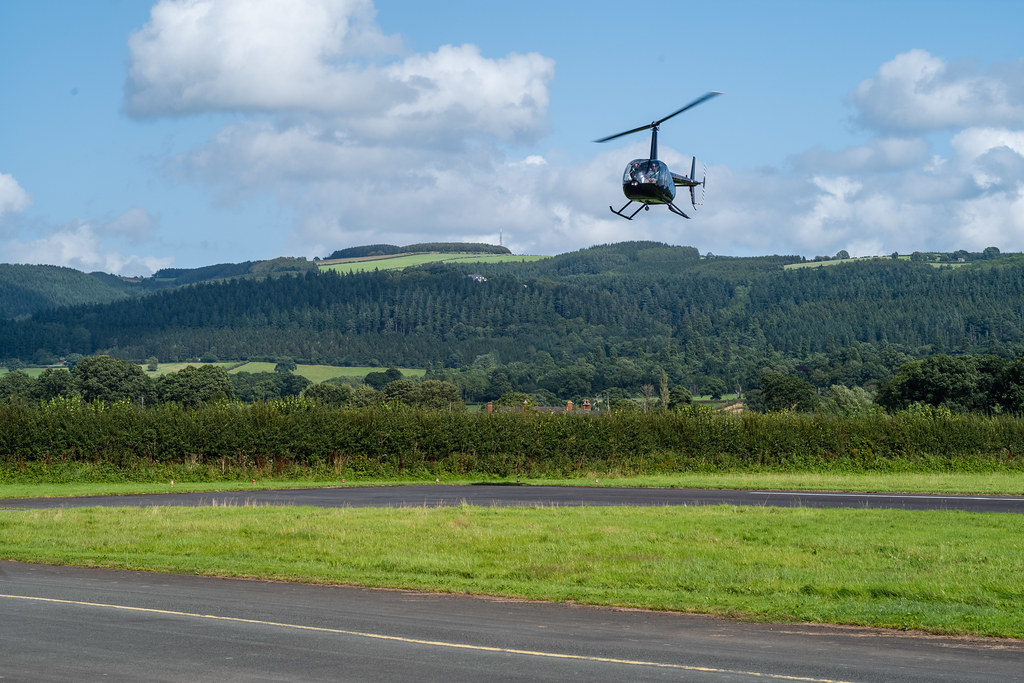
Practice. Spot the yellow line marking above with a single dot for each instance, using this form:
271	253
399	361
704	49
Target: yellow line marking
419	641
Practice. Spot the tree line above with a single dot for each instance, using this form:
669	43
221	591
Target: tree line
105	379
610	320
980	383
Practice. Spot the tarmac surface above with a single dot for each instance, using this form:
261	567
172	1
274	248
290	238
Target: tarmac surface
70	623
493	495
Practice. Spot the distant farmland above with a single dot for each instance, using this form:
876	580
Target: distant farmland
314	373
356	265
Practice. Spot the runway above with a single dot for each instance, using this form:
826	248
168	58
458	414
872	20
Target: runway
492	495
67	623
64	623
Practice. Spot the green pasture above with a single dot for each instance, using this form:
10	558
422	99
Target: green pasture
32	372
314	373
319	373
167	368
421	259
942	572
832	262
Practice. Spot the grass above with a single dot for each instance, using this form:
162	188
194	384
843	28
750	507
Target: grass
167	368
988	483
396	262
831	262
944	572
319	373
31	372
314	373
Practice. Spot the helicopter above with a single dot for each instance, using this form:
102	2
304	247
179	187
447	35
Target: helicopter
648	181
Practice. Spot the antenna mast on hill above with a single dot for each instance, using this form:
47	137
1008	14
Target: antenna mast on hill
499	238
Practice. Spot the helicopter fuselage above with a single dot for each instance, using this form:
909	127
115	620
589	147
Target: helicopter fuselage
648	181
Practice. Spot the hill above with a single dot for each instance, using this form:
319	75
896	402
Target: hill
403	260
25	289
370	250
610	318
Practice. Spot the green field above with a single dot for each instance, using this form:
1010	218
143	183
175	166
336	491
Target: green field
314	373
832	262
167	368
405	261
32	372
319	373
943	572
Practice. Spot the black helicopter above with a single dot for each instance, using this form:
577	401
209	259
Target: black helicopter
649	181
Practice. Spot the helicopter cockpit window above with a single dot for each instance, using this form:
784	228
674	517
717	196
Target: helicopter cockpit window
646	171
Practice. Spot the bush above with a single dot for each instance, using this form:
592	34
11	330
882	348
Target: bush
390	439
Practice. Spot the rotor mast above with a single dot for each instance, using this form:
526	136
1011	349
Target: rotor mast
653	125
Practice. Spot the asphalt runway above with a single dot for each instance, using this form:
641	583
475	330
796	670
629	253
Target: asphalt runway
68	623
64	623
491	495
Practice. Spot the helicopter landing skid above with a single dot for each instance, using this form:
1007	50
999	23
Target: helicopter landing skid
675	209
630	216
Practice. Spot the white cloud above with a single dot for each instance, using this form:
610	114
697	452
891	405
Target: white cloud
891	193
409	146
311	58
971	200
136	224
459	92
79	247
12	197
255	55
880	154
917	91
365	144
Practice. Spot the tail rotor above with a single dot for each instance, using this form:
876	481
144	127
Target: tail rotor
697	190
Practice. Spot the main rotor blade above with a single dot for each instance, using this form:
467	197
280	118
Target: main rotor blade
691	105
628	132
702	98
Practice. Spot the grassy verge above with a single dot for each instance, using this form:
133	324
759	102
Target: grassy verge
944	572
987	483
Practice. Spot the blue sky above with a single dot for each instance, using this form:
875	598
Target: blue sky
138	135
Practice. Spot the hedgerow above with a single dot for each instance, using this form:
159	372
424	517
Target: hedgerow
233	439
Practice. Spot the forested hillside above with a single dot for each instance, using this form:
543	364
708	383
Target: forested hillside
611	318
25	289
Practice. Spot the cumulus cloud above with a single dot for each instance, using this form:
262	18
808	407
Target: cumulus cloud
12	197
917	91
892	192
881	154
365	143
255	55
969	200
136	224
314	59
341	126
80	247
